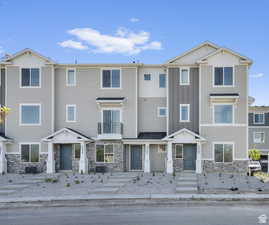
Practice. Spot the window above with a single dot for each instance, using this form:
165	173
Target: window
162	149
184	76
147	77
30	77
29	152
71	77
162	80
161	111
104	153
223	114
258	137
223	76
111	121
223	152
111	78
30	114
184	113
258	118
71	113
179	151
77	150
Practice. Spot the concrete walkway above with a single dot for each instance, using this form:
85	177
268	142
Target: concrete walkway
186	183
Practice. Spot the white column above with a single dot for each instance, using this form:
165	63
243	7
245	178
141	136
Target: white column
147	160
50	160
3	161
169	165
199	158
83	162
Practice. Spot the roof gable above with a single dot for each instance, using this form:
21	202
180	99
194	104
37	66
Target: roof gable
184	135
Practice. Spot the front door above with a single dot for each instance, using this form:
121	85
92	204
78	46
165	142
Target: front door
66	157
189	156
136	157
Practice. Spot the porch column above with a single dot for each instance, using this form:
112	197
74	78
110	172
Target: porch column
199	158
169	165
83	162
147	160
50	160
3	161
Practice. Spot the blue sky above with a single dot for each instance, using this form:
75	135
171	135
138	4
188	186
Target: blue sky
147	31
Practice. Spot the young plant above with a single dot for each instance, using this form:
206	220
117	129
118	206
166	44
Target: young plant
254	154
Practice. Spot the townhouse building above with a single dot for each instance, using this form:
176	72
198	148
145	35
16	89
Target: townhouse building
189	113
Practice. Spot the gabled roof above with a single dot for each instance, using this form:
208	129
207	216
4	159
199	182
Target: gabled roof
183	130
4	138
26	50
206	43
243	58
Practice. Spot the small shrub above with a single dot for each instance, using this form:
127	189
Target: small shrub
51	180
153	174
138	178
174	174
9	181
68	185
77	182
81	172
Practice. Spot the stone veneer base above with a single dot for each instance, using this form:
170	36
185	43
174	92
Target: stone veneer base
237	166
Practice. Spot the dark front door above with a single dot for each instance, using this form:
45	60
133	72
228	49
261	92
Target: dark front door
66	157
136	157
189	155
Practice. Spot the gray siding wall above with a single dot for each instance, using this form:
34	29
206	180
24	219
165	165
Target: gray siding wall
261	146
84	95
148	120
2	96
251	120
188	94
17	96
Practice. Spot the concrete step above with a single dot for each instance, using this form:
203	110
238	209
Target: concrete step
186	184
103	190
186	190
29	182
13	187
118	180
7	192
114	185
187	179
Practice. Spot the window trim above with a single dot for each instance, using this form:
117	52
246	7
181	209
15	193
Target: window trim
223	143
164	80
213	113
213	78
182	151
97	162
256	113
180	114
101	79
115	108
75	113
30	143
74	150
40	114
158	111
150	76
180	81
75	77
40	77
261	132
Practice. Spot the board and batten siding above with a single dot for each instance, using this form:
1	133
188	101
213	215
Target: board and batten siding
183	94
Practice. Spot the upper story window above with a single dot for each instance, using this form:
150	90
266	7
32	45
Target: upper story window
161	111
71	77
223	76
29	152
162	80
30	77
30	114
258	118
223	113
184	113
111	121
147	76
223	152
71	113
184	77
258	137
111	78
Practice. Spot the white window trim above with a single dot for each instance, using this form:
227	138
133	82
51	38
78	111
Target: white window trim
66	113
180	114
180	81
164	80
101	79
75	77
260	113
40	77
258	132
40	114
103	109
213	78
74	150
176	151
213	114
150	75
104	153
222	143
30	143
158	111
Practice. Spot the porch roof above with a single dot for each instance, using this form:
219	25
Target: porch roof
184	136
4	138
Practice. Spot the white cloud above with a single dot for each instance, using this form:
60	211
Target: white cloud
134	20
73	44
124	41
257	75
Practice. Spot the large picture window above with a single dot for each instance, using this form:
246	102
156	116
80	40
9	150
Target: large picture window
223	152
29	152
223	114
105	153
30	114
223	76
30	77
111	78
